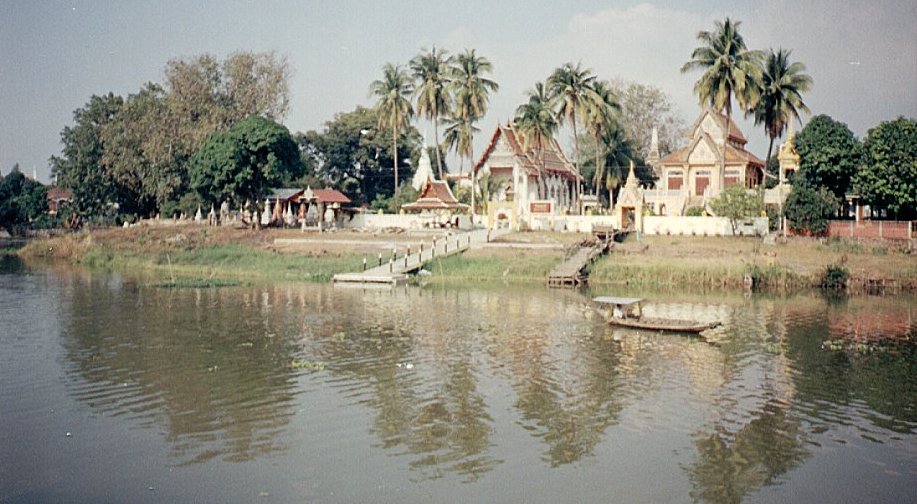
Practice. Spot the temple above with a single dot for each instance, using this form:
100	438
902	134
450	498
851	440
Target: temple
520	181
694	174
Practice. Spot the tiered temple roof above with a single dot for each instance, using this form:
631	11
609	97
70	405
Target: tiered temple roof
551	158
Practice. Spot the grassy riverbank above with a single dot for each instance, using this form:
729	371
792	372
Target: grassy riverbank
195	253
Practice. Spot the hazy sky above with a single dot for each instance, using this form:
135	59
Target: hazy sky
55	54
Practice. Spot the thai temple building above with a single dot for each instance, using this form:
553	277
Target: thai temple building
789	164
434	196
520	182
694	174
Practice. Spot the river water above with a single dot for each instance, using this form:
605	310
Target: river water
112	390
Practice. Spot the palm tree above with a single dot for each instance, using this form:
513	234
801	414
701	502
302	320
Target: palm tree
600	108
730	70
393	105
782	84
618	153
457	136
569	87
471	90
535	120
431	71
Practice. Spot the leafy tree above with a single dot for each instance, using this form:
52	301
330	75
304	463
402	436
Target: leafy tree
471	90
888	177
736	203
782	84
21	199
730	70
244	162
431	71
808	208
80	166
570	88
458	136
393	106
644	107
829	155
352	155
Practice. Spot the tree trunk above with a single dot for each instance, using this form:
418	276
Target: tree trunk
767	160
439	160
471	155
578	184
725	141
597	178
395	156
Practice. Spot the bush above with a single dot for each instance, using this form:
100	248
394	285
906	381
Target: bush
808	209
694	211
834	277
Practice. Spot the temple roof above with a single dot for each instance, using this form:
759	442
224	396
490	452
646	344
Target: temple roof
735	133
325	196
435	195
734	156
551	158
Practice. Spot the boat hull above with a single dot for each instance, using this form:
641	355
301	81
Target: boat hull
664	325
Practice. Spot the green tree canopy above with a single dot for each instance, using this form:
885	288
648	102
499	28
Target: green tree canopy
781	86
431	71
888	177
737	203
244	162
21	199
644	107
829	155
393	106
808	208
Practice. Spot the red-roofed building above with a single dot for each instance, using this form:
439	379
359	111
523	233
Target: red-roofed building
693	174
524	181
435	196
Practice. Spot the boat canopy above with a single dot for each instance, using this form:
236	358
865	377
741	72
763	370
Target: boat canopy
622	301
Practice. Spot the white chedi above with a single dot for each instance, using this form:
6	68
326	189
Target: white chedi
424	170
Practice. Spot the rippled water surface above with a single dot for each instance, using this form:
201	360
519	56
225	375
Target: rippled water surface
115	391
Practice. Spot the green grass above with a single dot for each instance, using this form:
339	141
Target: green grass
228	261
515	268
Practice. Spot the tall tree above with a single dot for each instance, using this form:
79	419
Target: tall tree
829	155
644	107
570	86
888	177
535	120
431	72
393	104
730	70
472	91
80	167
780	101
458	136
245	161
601	108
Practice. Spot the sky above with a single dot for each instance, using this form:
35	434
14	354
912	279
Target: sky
55	55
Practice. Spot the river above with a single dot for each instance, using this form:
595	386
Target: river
113	390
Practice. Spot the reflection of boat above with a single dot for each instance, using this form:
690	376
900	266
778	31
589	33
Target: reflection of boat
627	312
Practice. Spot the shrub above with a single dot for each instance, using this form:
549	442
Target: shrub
809	209
834	277
694	211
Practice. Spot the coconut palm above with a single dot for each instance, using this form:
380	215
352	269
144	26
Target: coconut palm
601	107
569	86
782	84
730	70
393	105
535	120
431	71
618	153
457	136
471	90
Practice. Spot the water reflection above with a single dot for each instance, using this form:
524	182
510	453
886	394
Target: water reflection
444	379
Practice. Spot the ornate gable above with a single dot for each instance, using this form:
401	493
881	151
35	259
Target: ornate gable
704	151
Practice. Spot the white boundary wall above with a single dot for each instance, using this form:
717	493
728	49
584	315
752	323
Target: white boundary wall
402	221
570	223
702	226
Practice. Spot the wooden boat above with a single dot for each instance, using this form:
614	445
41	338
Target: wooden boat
626	312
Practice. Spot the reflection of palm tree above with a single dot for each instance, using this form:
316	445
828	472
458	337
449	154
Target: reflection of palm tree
433	100
782	85
730	70
757	455
393	105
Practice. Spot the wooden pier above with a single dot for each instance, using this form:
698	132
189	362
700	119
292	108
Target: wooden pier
570	272
394	269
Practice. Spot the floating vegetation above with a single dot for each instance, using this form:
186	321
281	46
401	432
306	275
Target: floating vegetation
307	365
339	336
198	283
854	346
